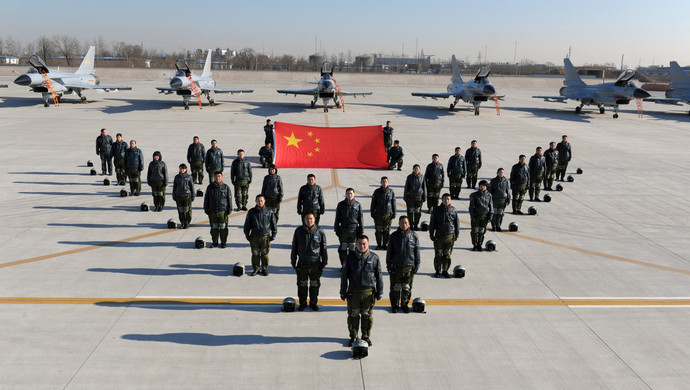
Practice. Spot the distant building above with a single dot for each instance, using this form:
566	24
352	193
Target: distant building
9	60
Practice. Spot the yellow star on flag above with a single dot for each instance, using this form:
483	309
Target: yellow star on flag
317	149
292	140
309	154
310	133
317	140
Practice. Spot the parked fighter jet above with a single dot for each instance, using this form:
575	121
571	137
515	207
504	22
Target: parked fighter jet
54	84
474	92
680	88
327	89
185	83
622	91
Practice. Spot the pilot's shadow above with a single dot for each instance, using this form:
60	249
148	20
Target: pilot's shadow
211	340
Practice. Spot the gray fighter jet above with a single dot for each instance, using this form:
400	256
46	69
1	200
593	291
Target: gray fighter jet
622	91
52	85
327	88
680	88
185	83
474	92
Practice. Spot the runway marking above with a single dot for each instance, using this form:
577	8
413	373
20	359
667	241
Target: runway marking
600	254
253	301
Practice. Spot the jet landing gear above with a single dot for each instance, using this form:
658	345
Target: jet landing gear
615	111
313	104
185	101
452	105
578	109
601	109
476	108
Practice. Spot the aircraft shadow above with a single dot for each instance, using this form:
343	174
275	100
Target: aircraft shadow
415	111
138	244
267	109
211	340
50	173
678	116
53	183
222	270
17	102
555	113
100	193
141	105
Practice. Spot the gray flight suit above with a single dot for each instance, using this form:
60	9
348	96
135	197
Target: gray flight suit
481	212
361	283
383	212
260	229
434	178
196	155
444	228
414	195
309	257
519	180
537	168
402	262
349	223
457	169
500	195
218	206
183	195
473	159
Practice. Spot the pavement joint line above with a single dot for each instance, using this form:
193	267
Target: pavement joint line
235	301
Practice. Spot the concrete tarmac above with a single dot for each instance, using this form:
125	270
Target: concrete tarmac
593	292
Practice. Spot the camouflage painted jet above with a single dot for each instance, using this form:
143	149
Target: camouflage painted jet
680	88
474	92
185	83
622	91
327	88
53	84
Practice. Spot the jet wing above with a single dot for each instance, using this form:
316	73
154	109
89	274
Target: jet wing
562	99
671	101
355	93
228	90
439	95
313	91
106	88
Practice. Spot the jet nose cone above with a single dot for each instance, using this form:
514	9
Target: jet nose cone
328	85
640	93
489	90
24	80
176	83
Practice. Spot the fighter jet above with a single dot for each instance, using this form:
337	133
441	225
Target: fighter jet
185	83
52	85
327	89
622	91
680	88
474	92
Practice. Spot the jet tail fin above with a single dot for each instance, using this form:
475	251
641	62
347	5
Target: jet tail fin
456	71
207	65
571	76
86	66
678	77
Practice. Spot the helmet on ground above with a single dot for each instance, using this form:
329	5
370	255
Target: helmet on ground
289	304
92	172
106	182
513	227
123	193
570	179
490	246
419	305
199	243
238	270
579	171
425	226
559	187
172	224
199	193
532	210
547	198
144	207
89	163
458	272
360	349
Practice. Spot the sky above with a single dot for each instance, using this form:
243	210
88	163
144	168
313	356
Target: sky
642	32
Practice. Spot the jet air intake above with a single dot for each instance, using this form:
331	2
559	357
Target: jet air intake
640	93
489	90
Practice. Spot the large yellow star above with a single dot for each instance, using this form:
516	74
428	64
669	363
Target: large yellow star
292	140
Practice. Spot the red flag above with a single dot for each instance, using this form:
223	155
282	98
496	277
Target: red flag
329	147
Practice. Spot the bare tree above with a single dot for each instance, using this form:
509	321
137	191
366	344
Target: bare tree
44	47
13	47
1	46
66	46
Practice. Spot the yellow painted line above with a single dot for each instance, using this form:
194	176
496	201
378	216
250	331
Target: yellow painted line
600	254
338	302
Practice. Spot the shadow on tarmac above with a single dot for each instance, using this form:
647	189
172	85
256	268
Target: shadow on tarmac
211	340
268	109
414	111
555	113
84	208
156	226
141	105
50	173
223	270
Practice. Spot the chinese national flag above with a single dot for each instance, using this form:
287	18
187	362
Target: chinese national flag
299	146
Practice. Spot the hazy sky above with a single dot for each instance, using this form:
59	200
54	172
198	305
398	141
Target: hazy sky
645	32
